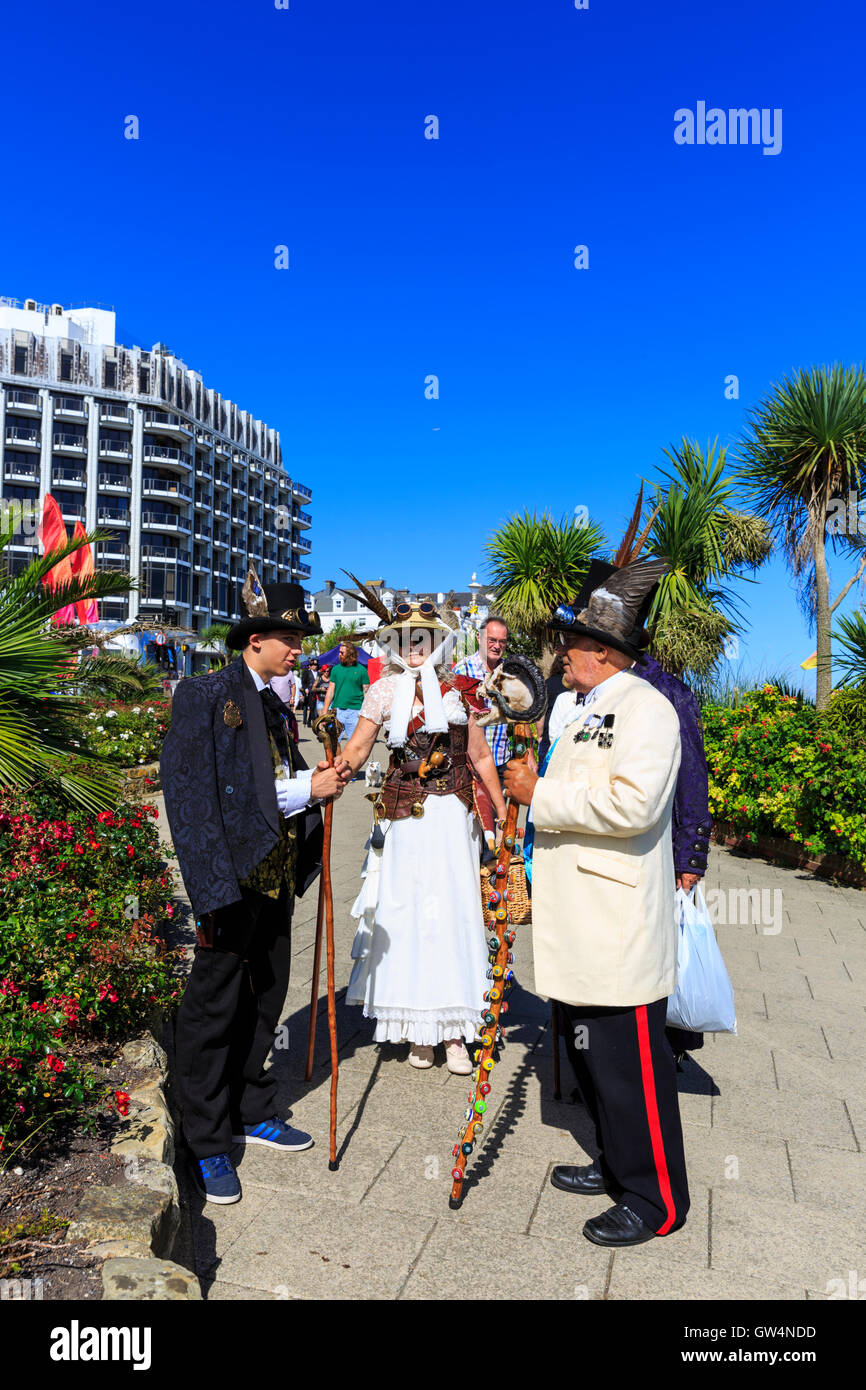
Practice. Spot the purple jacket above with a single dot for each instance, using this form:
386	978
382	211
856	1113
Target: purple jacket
692	822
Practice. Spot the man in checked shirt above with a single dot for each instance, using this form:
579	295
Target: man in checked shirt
492	637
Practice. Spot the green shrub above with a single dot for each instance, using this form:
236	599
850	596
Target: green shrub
779	768
127	734
82	961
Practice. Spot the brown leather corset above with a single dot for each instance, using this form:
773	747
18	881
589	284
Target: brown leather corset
404	789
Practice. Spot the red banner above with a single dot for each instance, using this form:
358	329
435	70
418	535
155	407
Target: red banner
52	534
82	568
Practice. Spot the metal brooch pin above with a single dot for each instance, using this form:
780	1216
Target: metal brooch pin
232	715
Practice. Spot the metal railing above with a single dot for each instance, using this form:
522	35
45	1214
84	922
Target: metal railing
70	405
168	452
24	398
22	434
68	475
114	412
155	420
112	514
166	485
113	448
20	470
115	480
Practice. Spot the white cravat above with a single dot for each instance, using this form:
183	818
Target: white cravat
294	792
435	718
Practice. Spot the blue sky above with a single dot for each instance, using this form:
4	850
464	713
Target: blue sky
410	257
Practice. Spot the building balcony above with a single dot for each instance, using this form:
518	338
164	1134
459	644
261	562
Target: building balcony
298	568
68	477
25	436
203	439
202	532
300	518
115	482
239	518
165	487
301	490
112	550
302	543
166	521
21	472
199	607
256	468
164	453
71	513
29	401
165	552
221	478
240	460
238	546
239	487
172	425
202	470
114	449
221	448
112	516
110	414
220	542
70	444
70	407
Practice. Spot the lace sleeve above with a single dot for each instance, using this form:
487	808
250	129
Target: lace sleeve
377	701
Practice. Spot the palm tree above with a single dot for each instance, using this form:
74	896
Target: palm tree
537	563
802	447
215	635
39	715
851	636
706	539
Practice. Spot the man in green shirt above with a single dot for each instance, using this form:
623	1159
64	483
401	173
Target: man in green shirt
346	689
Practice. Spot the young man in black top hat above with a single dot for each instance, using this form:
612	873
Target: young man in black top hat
247	829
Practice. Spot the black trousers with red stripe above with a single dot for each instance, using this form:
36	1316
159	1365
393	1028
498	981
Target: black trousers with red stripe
628	1079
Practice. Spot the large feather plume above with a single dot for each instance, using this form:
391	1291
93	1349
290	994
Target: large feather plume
253	595
613	607
629	548
368	598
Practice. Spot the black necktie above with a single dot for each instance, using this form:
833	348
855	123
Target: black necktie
276	715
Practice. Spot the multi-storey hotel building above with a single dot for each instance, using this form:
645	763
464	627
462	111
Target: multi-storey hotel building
133	442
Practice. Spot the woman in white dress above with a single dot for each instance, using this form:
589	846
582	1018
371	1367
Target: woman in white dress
420	951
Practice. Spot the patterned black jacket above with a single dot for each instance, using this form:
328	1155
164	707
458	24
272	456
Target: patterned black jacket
218	783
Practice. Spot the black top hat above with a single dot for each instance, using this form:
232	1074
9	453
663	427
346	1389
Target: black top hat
272	608
613	604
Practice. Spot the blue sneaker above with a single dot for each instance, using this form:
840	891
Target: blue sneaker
275	1134
216	1179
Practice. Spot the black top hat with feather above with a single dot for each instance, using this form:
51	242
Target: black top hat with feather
613	604
272	608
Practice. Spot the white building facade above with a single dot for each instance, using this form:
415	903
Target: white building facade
131	441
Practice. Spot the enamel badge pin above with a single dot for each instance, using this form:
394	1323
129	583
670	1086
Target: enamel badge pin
232	715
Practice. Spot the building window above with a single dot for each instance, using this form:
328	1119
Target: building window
143	381
66	366
111	376
21	361
338	604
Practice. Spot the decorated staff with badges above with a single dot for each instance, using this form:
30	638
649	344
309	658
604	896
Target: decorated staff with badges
247	829
604	930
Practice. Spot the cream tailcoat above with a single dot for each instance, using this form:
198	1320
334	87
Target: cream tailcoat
603	882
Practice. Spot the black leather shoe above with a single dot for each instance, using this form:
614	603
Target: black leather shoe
619	1226
585	1180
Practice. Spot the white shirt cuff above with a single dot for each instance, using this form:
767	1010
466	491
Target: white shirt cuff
294	794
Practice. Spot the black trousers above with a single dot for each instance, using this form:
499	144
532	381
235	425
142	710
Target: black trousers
227	1021
627	1078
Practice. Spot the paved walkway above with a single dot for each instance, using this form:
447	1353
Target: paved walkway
774	1119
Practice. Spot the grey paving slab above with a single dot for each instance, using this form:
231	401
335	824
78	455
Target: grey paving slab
829	1178
761	1111
529	1268
326	1250
679	1280
760	1238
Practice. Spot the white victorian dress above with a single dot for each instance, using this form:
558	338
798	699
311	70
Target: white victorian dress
419	949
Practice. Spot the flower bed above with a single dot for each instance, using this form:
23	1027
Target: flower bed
127	734
82	963
779	768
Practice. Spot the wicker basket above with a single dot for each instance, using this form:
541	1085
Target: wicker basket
519	908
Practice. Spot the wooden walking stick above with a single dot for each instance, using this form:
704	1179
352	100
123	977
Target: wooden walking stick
327	728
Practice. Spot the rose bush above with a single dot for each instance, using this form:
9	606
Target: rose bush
128	734
779	768
82	959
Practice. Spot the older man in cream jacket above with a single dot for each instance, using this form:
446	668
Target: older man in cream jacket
604	929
